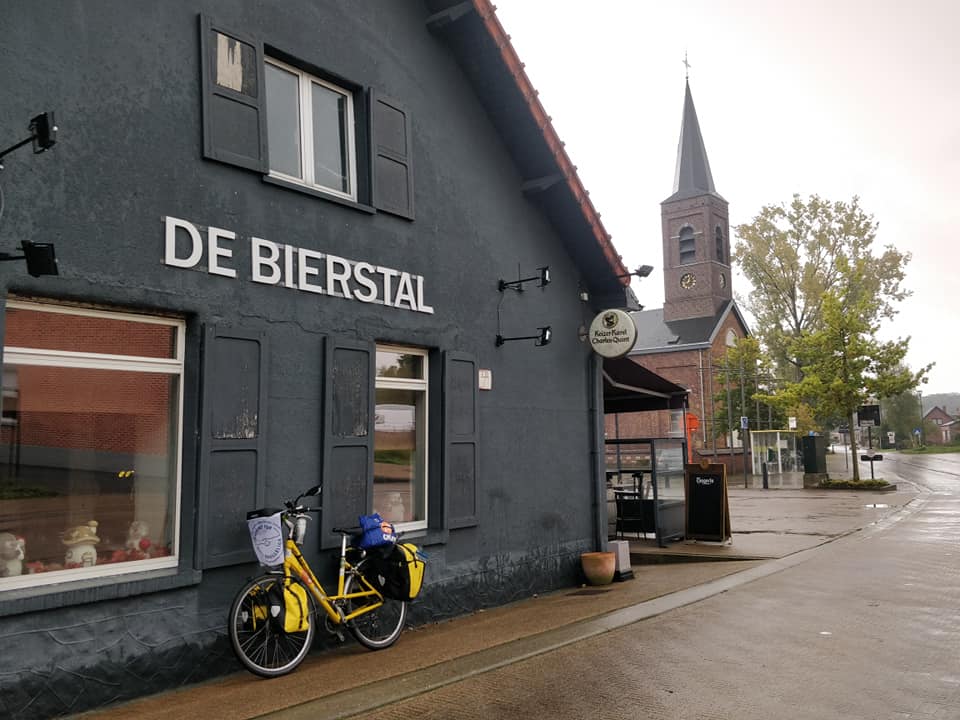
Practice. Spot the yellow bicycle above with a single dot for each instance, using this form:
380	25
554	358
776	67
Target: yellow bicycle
266	639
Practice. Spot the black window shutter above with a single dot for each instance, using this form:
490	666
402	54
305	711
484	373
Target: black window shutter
392	156
347	434
233	443
234	104
460	428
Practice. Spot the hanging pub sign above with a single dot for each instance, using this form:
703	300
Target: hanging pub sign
612	333
708	508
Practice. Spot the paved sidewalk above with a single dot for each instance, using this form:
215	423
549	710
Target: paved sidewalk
769	527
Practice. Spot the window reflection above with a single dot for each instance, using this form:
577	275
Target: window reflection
392	364
283	127
88	455
397	473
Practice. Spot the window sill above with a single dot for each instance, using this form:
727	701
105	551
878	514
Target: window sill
426	538
49	597
370	210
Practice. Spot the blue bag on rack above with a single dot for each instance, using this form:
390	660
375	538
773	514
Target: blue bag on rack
376	532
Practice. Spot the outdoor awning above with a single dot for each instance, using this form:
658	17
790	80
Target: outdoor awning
629	387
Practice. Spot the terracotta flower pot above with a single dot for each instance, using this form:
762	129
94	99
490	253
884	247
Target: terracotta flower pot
598	567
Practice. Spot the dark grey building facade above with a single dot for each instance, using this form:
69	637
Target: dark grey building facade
281	230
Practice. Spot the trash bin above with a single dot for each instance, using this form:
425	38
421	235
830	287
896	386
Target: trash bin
814	453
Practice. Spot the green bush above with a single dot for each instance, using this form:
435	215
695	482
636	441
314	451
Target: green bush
854	484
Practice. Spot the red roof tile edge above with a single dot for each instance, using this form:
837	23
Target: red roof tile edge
487	12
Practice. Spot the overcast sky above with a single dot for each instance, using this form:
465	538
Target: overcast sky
833	97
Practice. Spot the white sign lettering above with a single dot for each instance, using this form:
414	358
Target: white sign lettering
292	267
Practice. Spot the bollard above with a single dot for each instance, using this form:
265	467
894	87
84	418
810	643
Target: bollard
766	483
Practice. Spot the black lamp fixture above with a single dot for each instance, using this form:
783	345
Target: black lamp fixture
542	278
43	134
543	338
642	271
40	258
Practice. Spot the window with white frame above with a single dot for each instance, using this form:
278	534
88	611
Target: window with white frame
400	436
676	423
89	443
310	130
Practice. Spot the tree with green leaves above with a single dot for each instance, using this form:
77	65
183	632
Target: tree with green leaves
790	255
741	377
900	414
844	363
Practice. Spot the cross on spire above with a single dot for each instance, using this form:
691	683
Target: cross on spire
686	65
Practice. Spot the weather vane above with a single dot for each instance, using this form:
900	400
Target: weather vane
686	65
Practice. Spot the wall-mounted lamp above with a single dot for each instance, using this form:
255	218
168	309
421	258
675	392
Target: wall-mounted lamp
40	258
543	338
43	134
642	271
542	278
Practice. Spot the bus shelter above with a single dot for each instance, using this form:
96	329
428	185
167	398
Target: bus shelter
775	448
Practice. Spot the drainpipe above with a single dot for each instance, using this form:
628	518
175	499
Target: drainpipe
597	475
703	402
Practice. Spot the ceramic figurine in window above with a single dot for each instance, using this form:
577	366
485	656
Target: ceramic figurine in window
11	554
81	542
138	539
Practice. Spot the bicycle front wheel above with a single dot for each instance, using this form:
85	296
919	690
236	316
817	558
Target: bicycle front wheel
257	632
378	628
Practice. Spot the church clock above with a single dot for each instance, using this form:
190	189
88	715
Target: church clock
688	280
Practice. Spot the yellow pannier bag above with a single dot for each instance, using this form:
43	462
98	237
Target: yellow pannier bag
288	606
397	571
296	610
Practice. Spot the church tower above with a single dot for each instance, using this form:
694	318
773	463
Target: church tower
696	232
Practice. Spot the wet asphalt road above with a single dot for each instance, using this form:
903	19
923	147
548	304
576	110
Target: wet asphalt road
868	627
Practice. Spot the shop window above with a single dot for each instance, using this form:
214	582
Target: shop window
400	436
89	444
688	248
310	130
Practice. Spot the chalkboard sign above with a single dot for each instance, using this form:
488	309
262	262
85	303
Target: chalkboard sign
708	510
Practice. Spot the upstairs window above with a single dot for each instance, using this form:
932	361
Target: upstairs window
676	423
310	130
688	248
300	128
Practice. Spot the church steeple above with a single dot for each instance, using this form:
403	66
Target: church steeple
696	231
692	176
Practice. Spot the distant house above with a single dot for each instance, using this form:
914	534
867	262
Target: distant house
948	426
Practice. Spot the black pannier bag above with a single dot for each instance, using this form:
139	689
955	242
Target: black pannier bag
396	571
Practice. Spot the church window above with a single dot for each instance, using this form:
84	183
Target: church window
720	256
688	248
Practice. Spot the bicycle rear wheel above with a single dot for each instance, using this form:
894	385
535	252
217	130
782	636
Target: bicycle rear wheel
378	628
257	633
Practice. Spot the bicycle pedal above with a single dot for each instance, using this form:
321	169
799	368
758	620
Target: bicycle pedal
336	630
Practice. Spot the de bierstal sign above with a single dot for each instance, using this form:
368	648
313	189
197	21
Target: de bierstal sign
293	267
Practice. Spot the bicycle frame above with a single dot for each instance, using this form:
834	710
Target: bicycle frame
295	565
